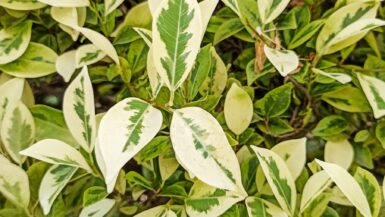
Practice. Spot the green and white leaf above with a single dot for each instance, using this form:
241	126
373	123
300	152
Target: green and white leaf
176	30
69	18
66	65
335	149
156	82
202	148
14	41
53	182
66	3
11	92
271	9
257	207
374	92
293	152
87	55
371	189
135	124
159	211
285	61
305	33
279	178
17	131
233	5
24	5
79	110
37	61
98	209
207	8
111	5
340	77
207	201
316	184
343	23
238	109
349	187
146	35
56	152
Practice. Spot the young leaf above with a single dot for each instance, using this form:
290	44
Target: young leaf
279	178
66	64
374	91
257	207
271	9
335	149
340	77
17	131
98	209
227	29
238	109
285	61
67	3
22	5
14	184
316	184
111	5
330	126
207	201
349	187
56	152
294	154
14	41
201	147
145	34
79	110
371	189
233	5
177	30
139	125
88	54
159	211
53	182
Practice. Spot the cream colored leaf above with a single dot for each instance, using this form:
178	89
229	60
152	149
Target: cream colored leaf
233	5
285	61
98	209
66	16
11	92
334	150
374	92
340	77
314	186
271	9
25	5
257	207
88	54
66	65
207	8
154	5
155	80
111	5
66	3
159	211
146	36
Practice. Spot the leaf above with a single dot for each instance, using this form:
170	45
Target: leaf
17	131
177	30
349	187
56	152
66	3
279	178
373	89
238	109
98	209
145	34
380	133
37	61
14	184
139	125
207	8
293	152
53	182
202	148
305	33
158	211
207	201
228	28
79	110
271	9
233	5
371	189
155	81
316	184
12	91
167	164
66	65
275	102
88	54
257	207
335	149
340	77
14	41
343	22
22	5
94	194
330	126
111	5
285	61
318	206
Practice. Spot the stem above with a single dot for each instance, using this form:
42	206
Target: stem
172	96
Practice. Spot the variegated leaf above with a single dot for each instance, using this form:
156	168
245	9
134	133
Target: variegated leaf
146	36
111	5
17	131
279	178
37	61
201	147
293	152
285	61
11	92
66	16
53	182
340	77
14	41
316	184
56	152
233	5
349	187
66	65
374	92
79	110
98	209
154	5
24	5
305	33
341	21
177	30
317	207
271	9
88	54
207	8
371	189
207	201
159	211
335	149
135	123
66	3
155	80
257	207
238	109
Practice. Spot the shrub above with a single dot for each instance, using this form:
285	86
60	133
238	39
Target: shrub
192	108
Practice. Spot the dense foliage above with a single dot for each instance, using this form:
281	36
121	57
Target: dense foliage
176	108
